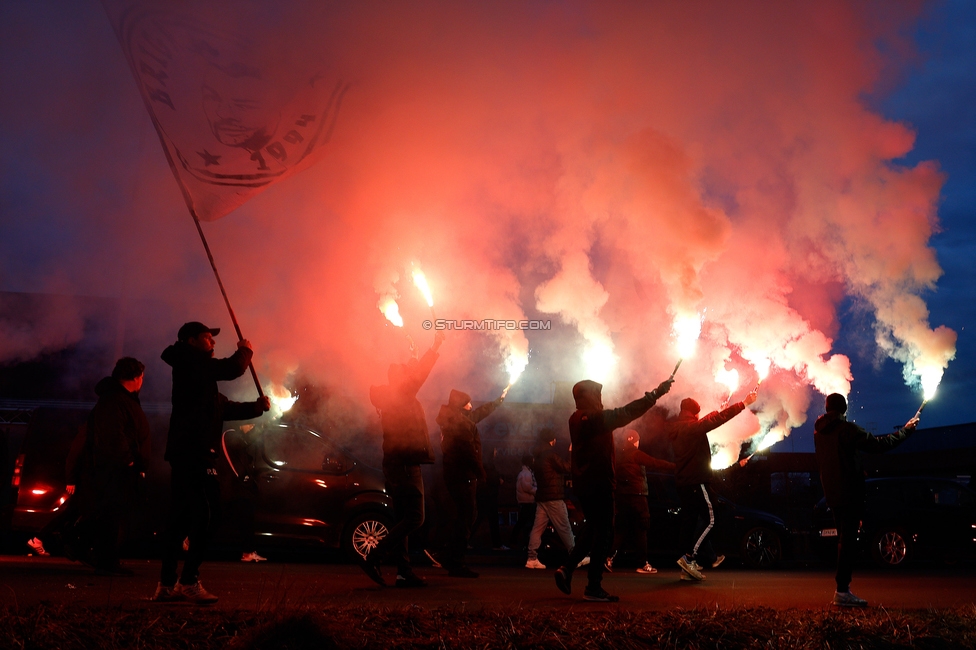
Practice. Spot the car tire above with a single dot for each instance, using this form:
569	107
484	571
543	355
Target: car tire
363	532
761	548
892	547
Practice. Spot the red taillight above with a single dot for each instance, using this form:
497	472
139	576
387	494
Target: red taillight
18	469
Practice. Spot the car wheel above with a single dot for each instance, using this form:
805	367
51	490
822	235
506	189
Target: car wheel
892	547
761	548
363	533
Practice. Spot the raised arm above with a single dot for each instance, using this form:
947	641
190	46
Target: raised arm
618	417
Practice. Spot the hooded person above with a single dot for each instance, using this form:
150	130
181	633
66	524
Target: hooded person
461	452
693	476
837	443
199	411
550	504
406	446
630	501
591	433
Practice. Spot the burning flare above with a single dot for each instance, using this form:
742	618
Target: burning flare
282	399
514	365
729	379
598	361
686	330
391	310
420	280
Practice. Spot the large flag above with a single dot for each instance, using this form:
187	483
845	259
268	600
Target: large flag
234	114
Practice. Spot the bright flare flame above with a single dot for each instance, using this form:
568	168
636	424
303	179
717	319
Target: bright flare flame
728	378
598	361
514	365
686	330
391	310
762	364
420	280
722	458
281	399
931	378
772	436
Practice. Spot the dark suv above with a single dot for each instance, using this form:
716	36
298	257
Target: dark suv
303	488
908	519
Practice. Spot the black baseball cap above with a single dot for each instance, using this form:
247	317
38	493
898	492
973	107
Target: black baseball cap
194	328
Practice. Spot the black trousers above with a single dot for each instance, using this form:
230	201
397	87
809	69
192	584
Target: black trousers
463	498
848	520
405	484
697	522
631	521
595	536
115	492
195	505
523	525
488	511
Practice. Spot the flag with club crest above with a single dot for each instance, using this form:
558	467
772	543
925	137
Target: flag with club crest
234	110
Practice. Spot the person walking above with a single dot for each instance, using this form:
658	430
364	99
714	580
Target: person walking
591	433
406	446
630	500
199	411
550	505
693	477
837	443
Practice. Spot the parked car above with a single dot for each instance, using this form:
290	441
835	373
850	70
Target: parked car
305	490
909	519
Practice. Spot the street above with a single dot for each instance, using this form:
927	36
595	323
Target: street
26	581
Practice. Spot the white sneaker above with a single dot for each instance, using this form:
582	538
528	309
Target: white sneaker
847	599
583	562
253	557
534	564
647	569
195	593
37	546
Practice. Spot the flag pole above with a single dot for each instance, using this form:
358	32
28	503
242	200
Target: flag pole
206	246
223	292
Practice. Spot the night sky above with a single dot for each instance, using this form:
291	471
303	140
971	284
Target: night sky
795	173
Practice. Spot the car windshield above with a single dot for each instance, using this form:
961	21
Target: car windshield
298	449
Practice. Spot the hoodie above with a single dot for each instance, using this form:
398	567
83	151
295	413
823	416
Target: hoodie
119	429
689	439
591	431
837	442
460	442
199	409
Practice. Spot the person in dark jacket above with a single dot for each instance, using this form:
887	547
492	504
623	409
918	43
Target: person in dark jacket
487	501
591	433
631	512
461	447
119	440
837	443
693	476
406	446
199	411
550	505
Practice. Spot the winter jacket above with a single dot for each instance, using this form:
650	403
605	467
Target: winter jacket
689	439
525	486
631	472
199	410
119	429
550	474
460	442
591	431
406	440
837	442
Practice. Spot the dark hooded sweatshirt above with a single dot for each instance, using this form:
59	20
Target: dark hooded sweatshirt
461	444
119	429
631	472
550	474
406	440
689	439
591	431
199	410
837	443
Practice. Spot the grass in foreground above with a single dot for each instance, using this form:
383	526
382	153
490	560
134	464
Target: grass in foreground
44	627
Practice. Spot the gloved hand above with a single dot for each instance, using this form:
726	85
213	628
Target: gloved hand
662	389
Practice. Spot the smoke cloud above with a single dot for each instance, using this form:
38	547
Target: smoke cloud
612	166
